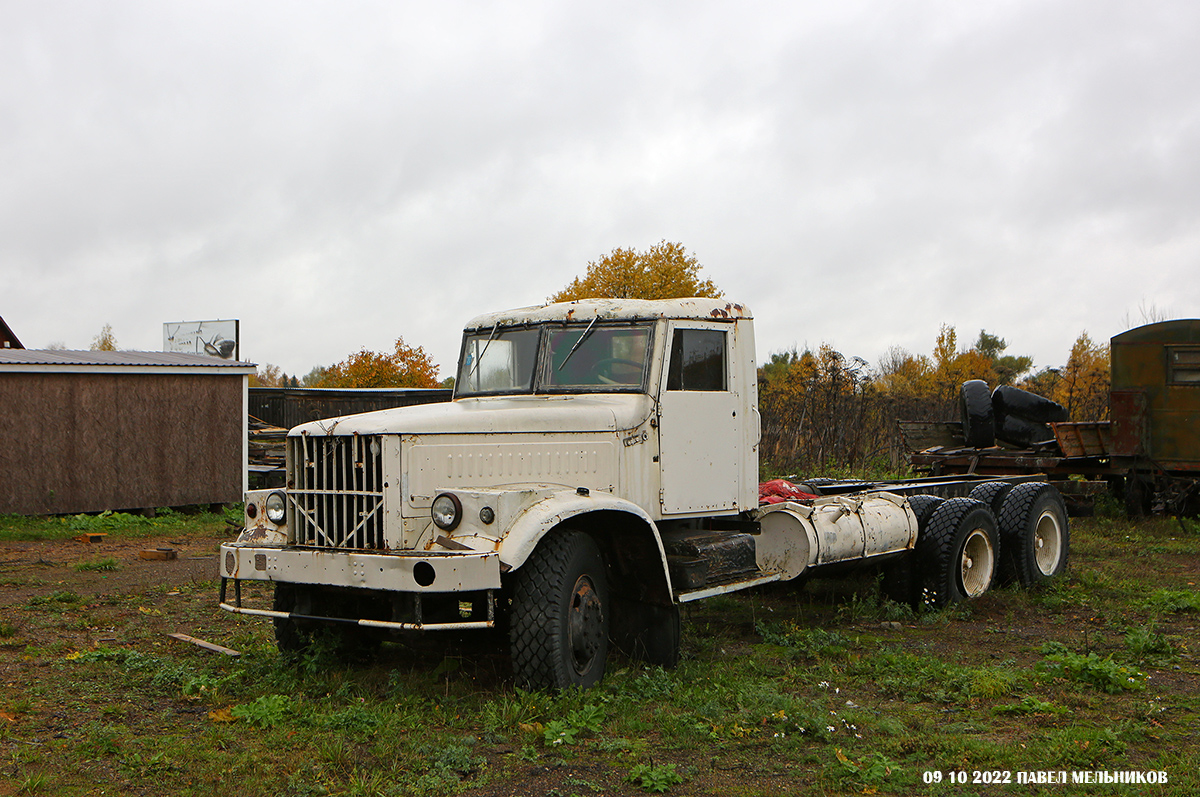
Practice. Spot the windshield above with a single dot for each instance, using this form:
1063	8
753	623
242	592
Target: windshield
586	357
500	361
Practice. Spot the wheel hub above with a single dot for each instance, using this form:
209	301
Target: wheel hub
1047	541
978	562
585	624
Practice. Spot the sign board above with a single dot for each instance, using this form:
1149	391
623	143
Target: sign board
214	338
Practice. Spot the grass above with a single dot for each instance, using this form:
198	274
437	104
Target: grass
826	689
190	520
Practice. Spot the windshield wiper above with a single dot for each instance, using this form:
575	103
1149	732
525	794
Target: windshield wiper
478	359
578	343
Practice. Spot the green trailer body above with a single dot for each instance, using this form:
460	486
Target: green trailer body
1155	405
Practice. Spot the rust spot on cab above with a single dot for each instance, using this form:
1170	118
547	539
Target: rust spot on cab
729	311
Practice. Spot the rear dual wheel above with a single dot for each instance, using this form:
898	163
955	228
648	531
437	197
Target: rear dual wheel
957	553
1034	535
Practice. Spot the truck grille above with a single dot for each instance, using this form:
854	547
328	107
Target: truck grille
336	495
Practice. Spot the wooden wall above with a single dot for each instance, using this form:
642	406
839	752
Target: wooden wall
80	442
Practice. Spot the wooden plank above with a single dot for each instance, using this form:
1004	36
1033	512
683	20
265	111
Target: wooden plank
159	553
922	435
1083	438
91	536
206	645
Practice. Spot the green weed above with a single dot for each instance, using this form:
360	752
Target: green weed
506	712
266	711
140	767
100	740
1029	705
657	778
107	520
807	642
1174	600
57	600
1146	644
586	719
1101	673
1084	747
33	784
7	630
870	772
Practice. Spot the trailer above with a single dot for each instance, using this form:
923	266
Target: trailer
1147	453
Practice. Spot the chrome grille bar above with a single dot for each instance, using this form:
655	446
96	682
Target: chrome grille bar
336	496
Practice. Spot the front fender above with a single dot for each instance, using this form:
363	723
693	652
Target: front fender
536	521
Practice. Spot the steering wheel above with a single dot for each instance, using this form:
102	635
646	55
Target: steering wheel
608	362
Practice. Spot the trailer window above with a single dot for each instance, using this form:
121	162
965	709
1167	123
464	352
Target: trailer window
697	360
1183	365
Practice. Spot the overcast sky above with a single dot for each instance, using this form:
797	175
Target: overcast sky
339	174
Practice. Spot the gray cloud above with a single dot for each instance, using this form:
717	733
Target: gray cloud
337	175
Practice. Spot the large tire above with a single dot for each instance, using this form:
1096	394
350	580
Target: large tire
291	637
1035	541
1023	433
899	581
1008	400
560	614
923	506
816	486
975	400
992	494
957	553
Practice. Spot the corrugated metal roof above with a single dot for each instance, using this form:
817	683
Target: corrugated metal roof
110	359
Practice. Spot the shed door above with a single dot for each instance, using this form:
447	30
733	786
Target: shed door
699	442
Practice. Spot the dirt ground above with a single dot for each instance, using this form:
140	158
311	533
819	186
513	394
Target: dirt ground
1001	626
51	564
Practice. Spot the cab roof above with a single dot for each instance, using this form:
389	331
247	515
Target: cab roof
615	310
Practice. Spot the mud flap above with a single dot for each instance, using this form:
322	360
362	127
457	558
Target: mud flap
645	631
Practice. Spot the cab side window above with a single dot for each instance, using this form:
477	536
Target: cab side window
697	360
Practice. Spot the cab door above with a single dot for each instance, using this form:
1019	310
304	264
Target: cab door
699	432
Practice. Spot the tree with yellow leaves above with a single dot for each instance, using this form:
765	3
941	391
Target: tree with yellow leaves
1082	385
665	271
105	341
407	366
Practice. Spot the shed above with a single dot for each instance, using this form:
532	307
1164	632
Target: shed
85	431
8	339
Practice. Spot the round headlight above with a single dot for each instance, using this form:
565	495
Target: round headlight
446	511
276	508
487	515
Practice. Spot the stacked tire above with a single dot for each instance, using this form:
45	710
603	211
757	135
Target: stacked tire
1022	418
1008	414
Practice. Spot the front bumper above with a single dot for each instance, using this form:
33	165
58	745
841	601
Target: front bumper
452	571
421	574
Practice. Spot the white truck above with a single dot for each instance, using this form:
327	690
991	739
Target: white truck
596	469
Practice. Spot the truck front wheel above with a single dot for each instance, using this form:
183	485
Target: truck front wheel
957	552
559	616
290	636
